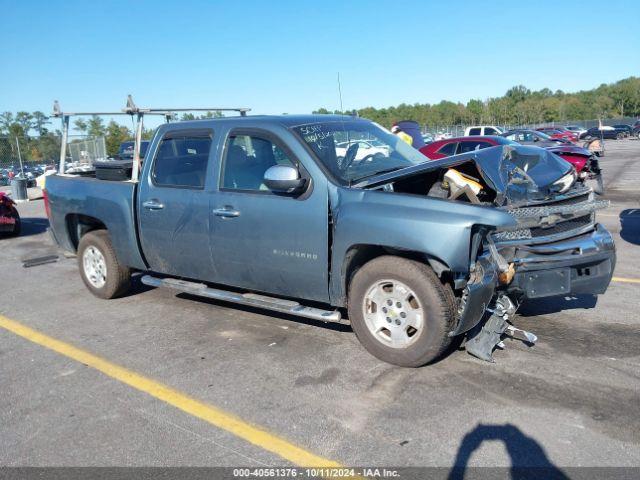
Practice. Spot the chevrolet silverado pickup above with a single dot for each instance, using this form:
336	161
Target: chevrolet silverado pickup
272	211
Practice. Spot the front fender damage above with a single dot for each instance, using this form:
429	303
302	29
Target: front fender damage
476	295
485	313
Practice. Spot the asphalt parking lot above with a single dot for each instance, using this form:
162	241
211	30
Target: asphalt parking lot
571	400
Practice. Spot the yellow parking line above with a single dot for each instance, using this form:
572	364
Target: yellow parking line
626	280
219	418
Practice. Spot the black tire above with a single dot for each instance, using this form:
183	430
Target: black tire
117	278
436	299
619	136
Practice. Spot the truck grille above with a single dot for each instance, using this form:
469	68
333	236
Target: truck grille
553	220
539	234
562	227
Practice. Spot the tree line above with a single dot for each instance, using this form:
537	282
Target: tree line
39	142
518	106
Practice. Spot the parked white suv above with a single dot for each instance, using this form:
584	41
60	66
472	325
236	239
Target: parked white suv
483	130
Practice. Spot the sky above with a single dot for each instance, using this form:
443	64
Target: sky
283	56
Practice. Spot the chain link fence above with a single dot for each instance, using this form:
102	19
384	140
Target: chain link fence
27	156
31	156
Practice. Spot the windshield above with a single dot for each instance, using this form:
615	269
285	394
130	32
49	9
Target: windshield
352	150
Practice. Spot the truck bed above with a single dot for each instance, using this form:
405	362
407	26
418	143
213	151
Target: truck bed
76	201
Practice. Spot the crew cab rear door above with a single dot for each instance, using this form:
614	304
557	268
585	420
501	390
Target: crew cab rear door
264	241
173	205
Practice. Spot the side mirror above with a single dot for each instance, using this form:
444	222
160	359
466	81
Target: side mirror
536	139
283	179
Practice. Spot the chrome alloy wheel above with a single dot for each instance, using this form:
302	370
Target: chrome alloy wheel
393	313
95	266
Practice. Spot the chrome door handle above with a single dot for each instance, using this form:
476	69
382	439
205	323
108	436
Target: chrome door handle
153	205
227	212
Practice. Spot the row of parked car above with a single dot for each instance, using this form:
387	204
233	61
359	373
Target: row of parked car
572	133
31	172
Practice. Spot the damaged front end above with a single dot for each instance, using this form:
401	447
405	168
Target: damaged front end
555	247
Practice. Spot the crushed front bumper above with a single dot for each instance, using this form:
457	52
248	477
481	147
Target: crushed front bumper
579	265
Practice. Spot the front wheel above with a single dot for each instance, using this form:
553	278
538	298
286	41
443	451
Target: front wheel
400	311
100	269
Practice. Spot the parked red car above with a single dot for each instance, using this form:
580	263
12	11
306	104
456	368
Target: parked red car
584	161
9	217
560	133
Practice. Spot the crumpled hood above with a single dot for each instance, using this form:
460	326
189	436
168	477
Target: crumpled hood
519	174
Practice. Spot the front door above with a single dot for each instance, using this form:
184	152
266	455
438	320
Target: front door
173	205
264	241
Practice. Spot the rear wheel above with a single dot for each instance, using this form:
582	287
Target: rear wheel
100	269
619	136
400	311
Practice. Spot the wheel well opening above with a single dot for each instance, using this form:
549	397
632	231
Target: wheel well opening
359	255
79	225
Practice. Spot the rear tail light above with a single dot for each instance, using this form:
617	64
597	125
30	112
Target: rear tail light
47	208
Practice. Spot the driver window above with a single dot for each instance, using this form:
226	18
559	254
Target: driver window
247	158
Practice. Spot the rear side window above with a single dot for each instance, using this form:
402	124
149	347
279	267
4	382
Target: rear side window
182	160
448	149
471	146
474	131
490	131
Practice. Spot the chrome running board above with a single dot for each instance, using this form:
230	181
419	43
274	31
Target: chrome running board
251	299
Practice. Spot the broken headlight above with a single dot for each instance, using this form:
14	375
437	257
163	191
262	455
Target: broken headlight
565	183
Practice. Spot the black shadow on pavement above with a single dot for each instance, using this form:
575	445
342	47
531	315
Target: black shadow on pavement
545	306
338	327
528	458
33	226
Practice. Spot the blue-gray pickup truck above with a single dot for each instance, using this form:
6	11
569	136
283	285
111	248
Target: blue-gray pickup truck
319	216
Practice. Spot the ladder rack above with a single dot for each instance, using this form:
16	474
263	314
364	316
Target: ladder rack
130	109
